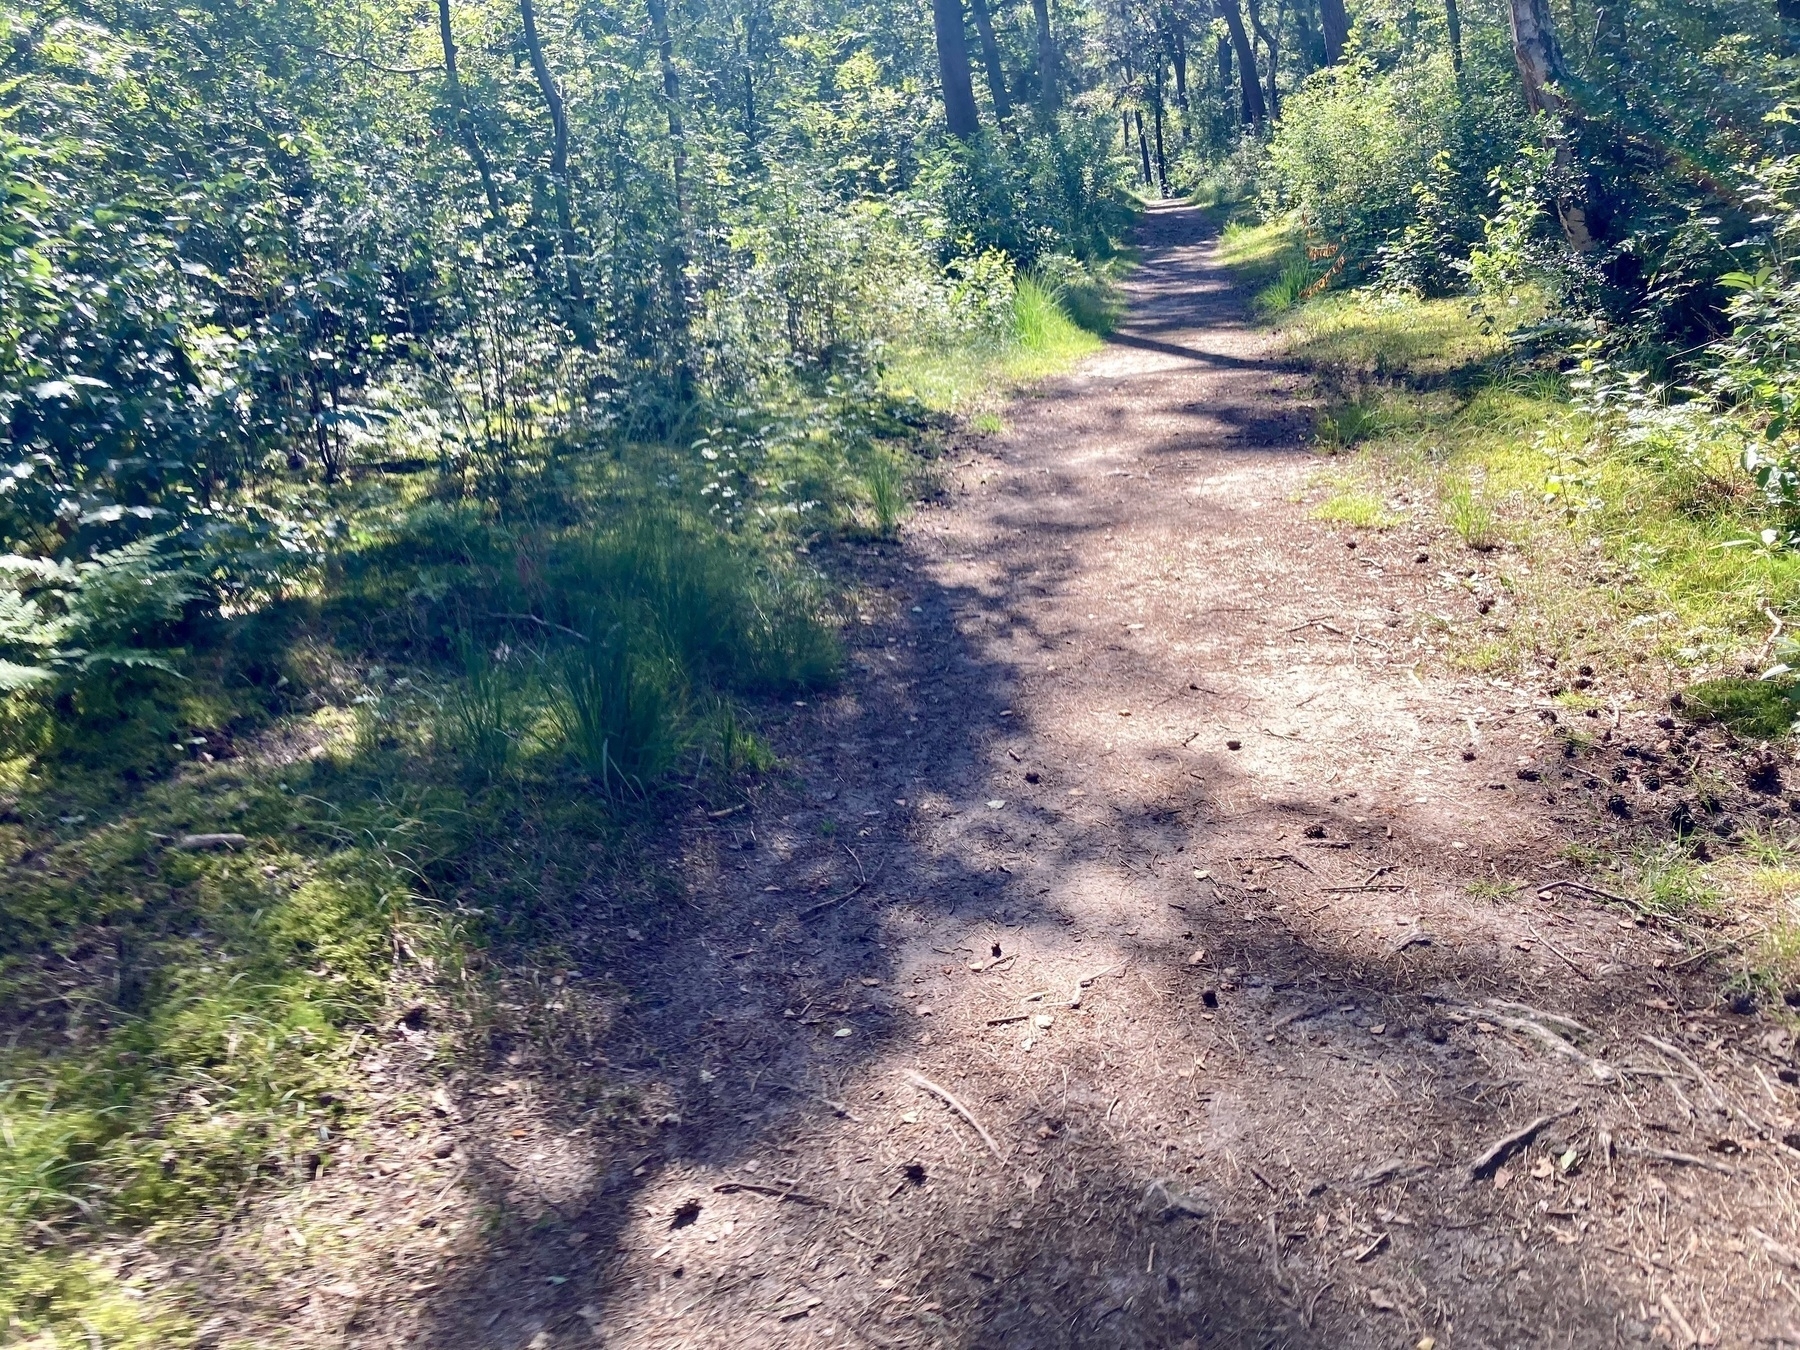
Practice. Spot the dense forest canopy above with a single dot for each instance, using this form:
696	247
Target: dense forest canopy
529	346
250	248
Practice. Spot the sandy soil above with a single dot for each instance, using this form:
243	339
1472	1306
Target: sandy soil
1149	949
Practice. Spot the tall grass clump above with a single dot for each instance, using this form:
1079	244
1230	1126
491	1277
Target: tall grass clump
730	615
621	709
885	479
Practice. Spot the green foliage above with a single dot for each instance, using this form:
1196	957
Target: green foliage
1387	162
1288	289
1676	887
1469	513
621	710
885	479
1760	709
481	711
1362	510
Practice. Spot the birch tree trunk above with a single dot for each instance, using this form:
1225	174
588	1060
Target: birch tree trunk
1541	70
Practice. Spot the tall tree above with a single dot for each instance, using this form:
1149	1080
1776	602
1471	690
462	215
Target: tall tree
671	85
1453	19
1253	109
465	124
1046	58
1336	24
1274	47
990	57
953	69
1543	72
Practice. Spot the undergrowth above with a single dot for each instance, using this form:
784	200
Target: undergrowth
221	868
1611	548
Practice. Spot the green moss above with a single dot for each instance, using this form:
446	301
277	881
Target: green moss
1758	709
1363	510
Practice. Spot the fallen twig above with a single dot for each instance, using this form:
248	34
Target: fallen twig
836	900
1270	857
1669	1155
1701	957
1559	953
1503	1148
1568	884
779	1192
1688	1338
920	1080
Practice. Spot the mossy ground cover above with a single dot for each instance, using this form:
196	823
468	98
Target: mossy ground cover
218	881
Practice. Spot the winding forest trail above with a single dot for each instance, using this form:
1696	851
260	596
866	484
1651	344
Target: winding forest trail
1143	831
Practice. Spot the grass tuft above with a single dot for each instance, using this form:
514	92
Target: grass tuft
1763	710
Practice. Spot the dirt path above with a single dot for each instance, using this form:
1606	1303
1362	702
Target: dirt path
1196	889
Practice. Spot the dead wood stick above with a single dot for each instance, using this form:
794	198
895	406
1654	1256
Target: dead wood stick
1270	857
1706	954
1688	1338
1558	952
920	1080
1669	1155
1383	886
836	900
1780	1251
1682	1058
1572	885
1007	1019
780	1193
1503	1148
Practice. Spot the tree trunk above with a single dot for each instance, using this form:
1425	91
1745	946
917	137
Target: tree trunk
1336	24
559	121
1046	56
1268	40
1225	63
671	83
750	18
1143	149
559	173
953	69
1453	17
1253	109
1178	59
1162	159
990	57
1541	69
675	261
465	125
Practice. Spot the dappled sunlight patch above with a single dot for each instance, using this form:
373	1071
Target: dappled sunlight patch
1390	333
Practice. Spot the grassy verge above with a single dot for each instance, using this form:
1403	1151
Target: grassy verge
1624	549
1053	324
387	790
1608	554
